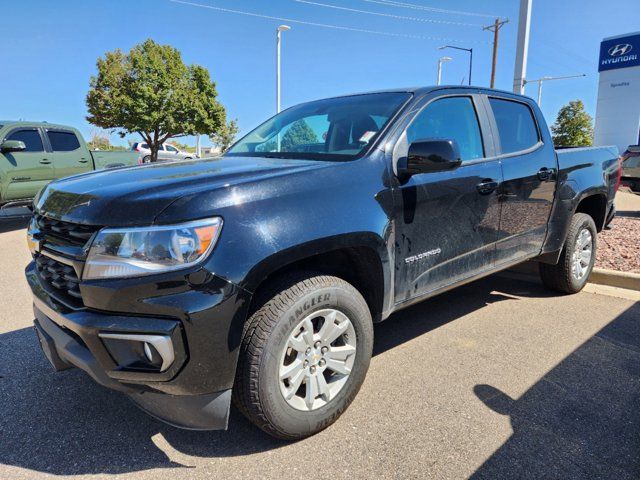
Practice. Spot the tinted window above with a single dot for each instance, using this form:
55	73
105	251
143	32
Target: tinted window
31	139
516	125
452	118
63	141
171	149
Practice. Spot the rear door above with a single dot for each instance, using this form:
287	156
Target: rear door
173	153
447	222
67	153
26	171
529	170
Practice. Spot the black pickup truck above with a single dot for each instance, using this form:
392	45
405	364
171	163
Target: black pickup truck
258	277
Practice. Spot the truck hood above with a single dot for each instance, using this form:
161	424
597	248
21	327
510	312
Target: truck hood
137	195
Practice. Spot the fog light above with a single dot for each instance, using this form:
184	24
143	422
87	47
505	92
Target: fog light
156	349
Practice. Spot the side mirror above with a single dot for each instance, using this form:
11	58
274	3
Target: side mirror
427	156
12	146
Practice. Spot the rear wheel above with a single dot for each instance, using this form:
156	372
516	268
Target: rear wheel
304	356
146	159
578	256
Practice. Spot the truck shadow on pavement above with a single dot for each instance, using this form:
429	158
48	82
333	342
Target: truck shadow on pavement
582	419
64	424
16	223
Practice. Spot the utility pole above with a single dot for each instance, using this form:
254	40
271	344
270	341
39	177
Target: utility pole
495	28
522	51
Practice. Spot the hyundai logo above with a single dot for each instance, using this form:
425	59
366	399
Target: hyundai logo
620	49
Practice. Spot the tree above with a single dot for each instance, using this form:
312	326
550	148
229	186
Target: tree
184	147
150	91
224	138
299	133
100	141
573	127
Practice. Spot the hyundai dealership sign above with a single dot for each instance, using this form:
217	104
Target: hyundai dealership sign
621	52
618	108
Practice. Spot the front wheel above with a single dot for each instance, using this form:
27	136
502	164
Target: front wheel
304	356
146	159
578	256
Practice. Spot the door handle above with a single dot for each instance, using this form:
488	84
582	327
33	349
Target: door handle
83	160
545	173
45	161
487	186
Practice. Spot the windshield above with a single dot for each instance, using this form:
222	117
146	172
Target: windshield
332	129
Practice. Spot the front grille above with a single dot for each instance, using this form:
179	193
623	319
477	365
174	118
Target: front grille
72	233
61	279
62	244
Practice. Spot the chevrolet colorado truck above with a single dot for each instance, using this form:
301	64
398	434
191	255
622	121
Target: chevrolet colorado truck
34	154
257	277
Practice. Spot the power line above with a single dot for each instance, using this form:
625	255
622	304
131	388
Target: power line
413	6
389	15
322	25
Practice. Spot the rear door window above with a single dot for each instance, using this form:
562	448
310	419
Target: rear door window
63	141
516	125
30	137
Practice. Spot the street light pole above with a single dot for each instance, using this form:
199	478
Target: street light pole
441	60
470	50
540	81
522	49
279	30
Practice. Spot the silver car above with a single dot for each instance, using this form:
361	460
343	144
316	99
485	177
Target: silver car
165	153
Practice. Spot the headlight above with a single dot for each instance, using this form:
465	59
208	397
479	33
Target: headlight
130	252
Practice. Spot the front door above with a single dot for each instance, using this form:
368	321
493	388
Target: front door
447	222
529	172
26	171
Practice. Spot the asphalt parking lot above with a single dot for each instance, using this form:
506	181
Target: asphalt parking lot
497	379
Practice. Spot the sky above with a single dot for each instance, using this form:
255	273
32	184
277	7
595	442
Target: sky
49	49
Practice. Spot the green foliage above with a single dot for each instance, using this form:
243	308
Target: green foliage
183	147
225	136
150	91
299	133
100	141
573	127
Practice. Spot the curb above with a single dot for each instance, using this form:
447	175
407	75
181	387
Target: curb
599	276
613	278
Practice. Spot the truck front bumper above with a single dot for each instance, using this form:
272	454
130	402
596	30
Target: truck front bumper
192	388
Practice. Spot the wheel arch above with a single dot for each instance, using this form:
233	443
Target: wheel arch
595	205
360	259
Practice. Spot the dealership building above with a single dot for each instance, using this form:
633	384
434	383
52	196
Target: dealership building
618	107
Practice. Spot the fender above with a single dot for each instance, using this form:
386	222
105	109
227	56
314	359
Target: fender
303	251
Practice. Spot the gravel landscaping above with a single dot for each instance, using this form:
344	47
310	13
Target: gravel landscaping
619	248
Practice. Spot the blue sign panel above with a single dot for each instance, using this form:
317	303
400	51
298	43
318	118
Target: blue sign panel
620	53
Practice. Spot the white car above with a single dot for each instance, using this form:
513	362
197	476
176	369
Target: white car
167	152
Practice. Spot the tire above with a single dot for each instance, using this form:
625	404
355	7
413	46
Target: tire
563	276
187	158
259	392
146	159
